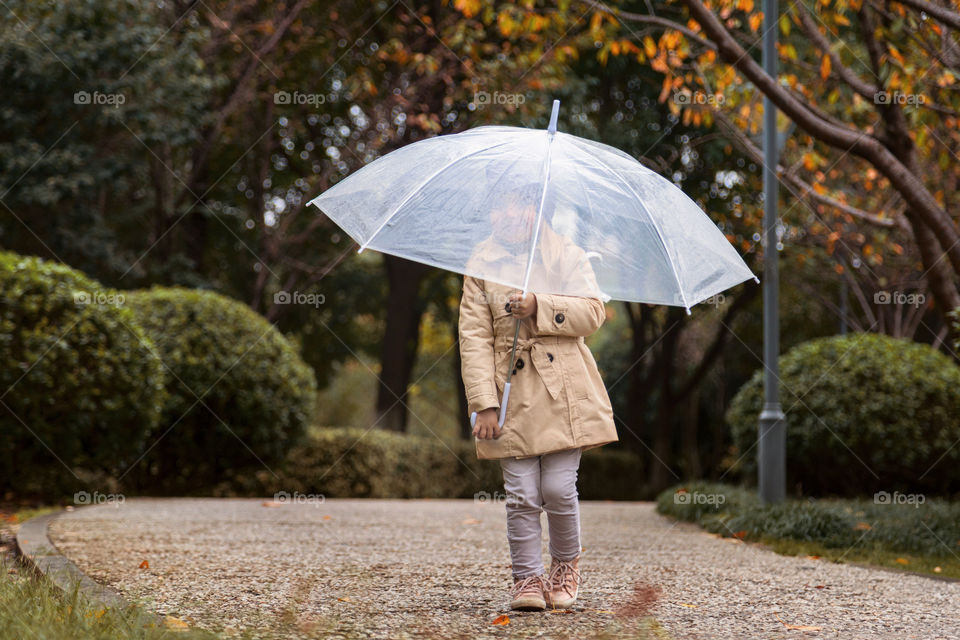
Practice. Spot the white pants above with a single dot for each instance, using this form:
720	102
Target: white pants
542	483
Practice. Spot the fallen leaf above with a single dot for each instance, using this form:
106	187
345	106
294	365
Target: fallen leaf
902	561
273	503
688	606
863	526
471	521
328	517
345	599
813	557
175	623
798	627
937	569
504	619
821	586
739	535
145	564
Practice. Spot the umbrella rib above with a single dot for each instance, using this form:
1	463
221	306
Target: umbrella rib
536	228
421	186
656	227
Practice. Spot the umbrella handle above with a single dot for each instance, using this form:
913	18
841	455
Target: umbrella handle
503	408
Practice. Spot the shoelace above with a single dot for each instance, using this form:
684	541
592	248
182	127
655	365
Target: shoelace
527	583
561	576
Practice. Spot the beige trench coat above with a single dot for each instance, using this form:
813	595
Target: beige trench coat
557	397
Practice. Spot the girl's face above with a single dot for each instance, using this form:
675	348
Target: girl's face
514	221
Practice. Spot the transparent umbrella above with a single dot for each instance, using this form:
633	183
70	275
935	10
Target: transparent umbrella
539	210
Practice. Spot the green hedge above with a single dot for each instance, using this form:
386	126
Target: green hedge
864	413
358	463
896	524
80	387
239	395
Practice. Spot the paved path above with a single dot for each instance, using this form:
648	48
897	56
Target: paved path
440	569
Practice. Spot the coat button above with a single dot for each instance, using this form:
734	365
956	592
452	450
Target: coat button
558	318
520	363
550	355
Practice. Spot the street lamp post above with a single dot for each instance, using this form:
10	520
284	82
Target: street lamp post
771	450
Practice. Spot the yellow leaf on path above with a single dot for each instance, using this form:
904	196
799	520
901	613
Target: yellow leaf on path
689	606
903	561
471	521
273	504
798	627
345	599
504	619
174	623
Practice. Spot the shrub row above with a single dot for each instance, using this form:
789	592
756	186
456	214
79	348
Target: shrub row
358	463
177	385
920	525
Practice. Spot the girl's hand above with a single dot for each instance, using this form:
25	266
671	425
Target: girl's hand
486	426
523	308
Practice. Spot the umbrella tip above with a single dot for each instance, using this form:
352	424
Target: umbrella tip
688	310
553	117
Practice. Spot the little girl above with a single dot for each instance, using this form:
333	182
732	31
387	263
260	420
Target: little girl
558	407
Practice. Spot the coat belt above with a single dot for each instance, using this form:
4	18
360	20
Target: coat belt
539	348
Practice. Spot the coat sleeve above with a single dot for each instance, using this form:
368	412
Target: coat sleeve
568	315
476	348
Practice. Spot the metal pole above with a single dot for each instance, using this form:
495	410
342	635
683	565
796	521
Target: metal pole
844	298
771	450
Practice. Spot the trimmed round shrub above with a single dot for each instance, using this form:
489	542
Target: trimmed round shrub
238	393
80	387
864	413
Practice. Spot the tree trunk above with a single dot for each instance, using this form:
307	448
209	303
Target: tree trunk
400	340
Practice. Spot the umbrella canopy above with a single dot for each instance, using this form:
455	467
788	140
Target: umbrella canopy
539	210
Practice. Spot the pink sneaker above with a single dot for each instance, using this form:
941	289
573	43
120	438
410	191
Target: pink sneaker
527	593
564	583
